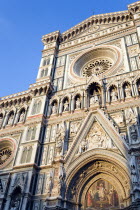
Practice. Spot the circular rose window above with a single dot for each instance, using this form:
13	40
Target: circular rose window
99	61
96	67
7	148
5	154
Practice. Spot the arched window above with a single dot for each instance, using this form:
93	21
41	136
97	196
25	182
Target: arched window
46	72
10	118
21	115
48	61
44	62
1	119
31	133
16	198
24	155
42	73
29	154
36	107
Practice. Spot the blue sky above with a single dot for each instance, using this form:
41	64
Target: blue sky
22	24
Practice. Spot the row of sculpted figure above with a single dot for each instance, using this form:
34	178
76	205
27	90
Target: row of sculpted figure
12	117
93	96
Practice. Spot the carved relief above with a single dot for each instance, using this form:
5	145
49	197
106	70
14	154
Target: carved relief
133	50
130	116
59	72
60	134
74	127
118	118
97	138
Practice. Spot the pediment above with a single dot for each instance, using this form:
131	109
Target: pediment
92	30
96	133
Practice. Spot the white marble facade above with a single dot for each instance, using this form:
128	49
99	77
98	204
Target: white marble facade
78	125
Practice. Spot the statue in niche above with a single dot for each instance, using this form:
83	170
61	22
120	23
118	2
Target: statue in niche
54	108
61	181
49	183
94	98
83	146
127	91
60	134
78	103
10	120
114	95
66	106
21	118
39	186
16	199
133	133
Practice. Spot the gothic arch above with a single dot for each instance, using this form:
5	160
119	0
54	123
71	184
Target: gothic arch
98	165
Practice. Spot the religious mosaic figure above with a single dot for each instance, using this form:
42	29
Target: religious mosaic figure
102	195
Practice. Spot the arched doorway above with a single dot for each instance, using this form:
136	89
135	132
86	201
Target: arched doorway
99	184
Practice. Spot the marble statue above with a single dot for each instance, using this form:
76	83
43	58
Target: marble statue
127	91
83	146
78	103
10	120
66	106
54	108
21	119
114	95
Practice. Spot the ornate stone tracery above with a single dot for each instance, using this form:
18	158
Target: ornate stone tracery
96	67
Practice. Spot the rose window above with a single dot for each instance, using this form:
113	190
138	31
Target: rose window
96	67
97	62
5	154
7	148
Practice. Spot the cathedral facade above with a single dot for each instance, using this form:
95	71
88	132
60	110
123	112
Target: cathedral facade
72	140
